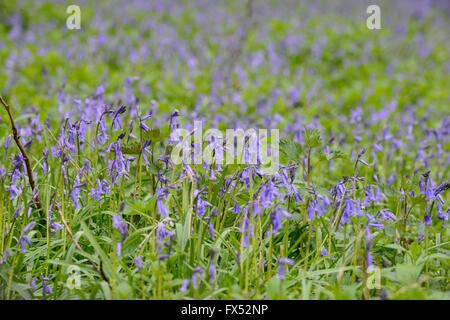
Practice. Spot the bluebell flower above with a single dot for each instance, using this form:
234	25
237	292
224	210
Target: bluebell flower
45	287
387	216
420	238
185	285
138	262
121	225
281	269
161	195
211	230
275	218
427	220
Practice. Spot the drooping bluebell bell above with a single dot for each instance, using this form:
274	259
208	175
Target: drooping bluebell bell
7	142
256	209
369	260
166	161
246	177
102	137
275	218
427	219
5	256
269	192
143	126
420	238
236	208
137	260
201	206
117	121
161	195
185	285
24	238
195	272
163	256
121	225
97	192
145	151
163	236
76	192
86	166
282	264
211	230
386	215
212	272
45	287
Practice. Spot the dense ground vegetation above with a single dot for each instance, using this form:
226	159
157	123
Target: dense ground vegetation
360	198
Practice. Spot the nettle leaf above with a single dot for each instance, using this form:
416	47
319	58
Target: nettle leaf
418	200
411	183
153	135
153	168
322	156
390	191
312	138
291	149
131	148
336	154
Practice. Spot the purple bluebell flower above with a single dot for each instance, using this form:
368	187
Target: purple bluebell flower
420	238
76	192
137	260
5	256
211	230
427	220
145	151
275	218
212	272
7	141
117	121
387	216
45	165
369	259
29	226
297	196
32	285
195	272
281	269
24	239
161	195
201	206
144	126
256	209
121	225
236	208
45	287
97	192
185	285
163	256
268	194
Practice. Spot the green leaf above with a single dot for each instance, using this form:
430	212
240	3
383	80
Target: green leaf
291	149
19	288
124	290
312	138
105	259
131	148
154	135
394	246
153	168
336	154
